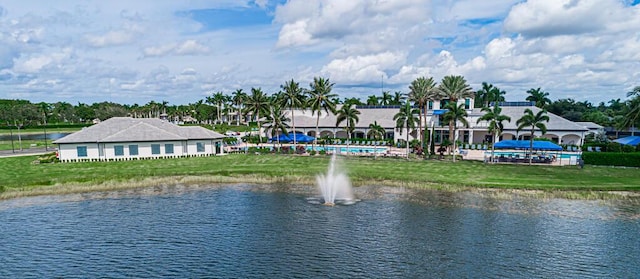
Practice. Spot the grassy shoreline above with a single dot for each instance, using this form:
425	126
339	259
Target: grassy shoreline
19	177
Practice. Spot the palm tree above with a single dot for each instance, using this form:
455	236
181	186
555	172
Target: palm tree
454	114
633	113
386	98
421	91
398	98
488	94
529	119
238	98
539	97
320	99
495	119
292	98
454	88
406	118
218	99
376	132
349	114
373	100
257	103
277	121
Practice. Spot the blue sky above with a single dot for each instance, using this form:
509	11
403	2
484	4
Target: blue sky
182	51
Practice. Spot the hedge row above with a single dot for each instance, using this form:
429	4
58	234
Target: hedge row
612	159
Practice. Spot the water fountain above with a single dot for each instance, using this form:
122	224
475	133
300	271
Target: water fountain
335	186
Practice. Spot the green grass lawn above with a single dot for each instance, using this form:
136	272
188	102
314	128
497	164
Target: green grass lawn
19	173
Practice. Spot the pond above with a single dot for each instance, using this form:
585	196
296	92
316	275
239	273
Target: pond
273	231
31	136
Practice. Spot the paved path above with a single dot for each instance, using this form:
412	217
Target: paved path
25	152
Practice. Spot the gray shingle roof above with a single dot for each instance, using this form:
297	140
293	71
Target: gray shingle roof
126	129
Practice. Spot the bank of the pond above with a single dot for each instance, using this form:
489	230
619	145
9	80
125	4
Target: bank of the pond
20	177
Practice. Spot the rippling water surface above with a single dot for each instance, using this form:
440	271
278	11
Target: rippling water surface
244	231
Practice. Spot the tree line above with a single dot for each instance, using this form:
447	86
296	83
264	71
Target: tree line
240	107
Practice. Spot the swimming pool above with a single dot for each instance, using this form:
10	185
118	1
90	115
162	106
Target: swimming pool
352	149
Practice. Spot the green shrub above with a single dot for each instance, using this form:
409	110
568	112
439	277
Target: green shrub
612	159
322	152
312	152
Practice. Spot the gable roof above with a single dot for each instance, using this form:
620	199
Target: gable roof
127	129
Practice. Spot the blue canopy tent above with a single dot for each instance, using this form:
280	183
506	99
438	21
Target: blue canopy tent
302	138
632	140
525	144
281	138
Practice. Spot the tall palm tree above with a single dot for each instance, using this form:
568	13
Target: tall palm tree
277	121
488	94
349	114
292	98
539	97
529	119
420	94
406	119
633	112
454	114
257	104
454	88
320	100
376	132
238	98
218	99
495	119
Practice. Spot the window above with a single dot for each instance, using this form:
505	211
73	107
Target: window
118	150
430	105
155	149
133	150
168	148
200	146
467	103
82	151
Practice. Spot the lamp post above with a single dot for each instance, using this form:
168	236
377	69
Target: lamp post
13	149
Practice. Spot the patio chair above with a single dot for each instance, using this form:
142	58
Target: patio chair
597	148
589	148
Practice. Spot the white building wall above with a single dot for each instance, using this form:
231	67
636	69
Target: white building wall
69	152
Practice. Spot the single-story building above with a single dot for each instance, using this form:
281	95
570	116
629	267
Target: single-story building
126	138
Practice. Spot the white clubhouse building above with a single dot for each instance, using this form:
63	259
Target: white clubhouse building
559	130
125	138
